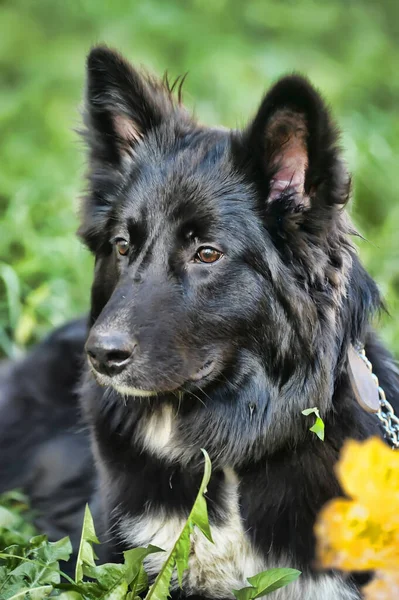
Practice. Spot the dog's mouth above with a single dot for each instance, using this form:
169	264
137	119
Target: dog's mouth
130	390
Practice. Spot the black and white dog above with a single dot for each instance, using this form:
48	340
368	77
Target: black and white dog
226	296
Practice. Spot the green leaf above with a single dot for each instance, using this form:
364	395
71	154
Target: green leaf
140	584
108	575
117	593
13	292
88	590
86	555
247	593
37	540
37	593
16	529
310	411
273	579
199	512
318	426
7	517
266	582
36	572
183	552
55	551
14	498
114	579
134	562
30	576
33	567
179	554
70	596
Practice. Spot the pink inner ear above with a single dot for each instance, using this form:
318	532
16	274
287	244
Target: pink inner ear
127	131
286	139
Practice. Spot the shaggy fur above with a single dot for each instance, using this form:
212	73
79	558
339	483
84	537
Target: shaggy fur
274	316
38	416
185	353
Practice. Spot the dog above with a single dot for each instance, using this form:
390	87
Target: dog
40	426
227	295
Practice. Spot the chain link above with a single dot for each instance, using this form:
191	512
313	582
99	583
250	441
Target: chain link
386	414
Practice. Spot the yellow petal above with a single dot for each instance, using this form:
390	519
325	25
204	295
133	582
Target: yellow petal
369	473
349	538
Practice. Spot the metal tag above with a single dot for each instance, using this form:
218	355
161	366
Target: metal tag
361	378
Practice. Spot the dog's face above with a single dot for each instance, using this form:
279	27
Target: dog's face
211	245
177	250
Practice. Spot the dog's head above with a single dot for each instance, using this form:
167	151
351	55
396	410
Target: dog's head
215	248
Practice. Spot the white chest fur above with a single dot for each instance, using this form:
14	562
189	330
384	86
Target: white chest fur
217	569
214	569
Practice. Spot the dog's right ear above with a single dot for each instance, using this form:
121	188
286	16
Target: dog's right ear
122	106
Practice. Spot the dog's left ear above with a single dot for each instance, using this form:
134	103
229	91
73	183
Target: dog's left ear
291	146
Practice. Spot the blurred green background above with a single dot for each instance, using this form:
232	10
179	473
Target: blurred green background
233	50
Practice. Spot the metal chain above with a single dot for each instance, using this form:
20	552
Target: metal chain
386	414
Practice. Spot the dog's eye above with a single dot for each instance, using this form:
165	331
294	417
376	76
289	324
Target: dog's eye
122	246
208	255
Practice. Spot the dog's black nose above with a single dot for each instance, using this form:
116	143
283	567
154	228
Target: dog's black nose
111	352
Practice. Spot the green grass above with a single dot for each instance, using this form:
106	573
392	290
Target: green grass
233	50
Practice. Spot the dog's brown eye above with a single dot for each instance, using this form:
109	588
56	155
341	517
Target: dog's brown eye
208	255
122	246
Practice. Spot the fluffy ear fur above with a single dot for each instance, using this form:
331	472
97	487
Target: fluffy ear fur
291	145
122	105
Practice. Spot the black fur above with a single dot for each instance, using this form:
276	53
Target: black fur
274	316
42	449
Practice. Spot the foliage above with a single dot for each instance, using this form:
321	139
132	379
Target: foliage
233	51
108	581
15	519
267	582
29	566
32	568
361	532
179	554
318	426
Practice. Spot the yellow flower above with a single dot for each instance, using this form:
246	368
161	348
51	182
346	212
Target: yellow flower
369	472
350	539
362	533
